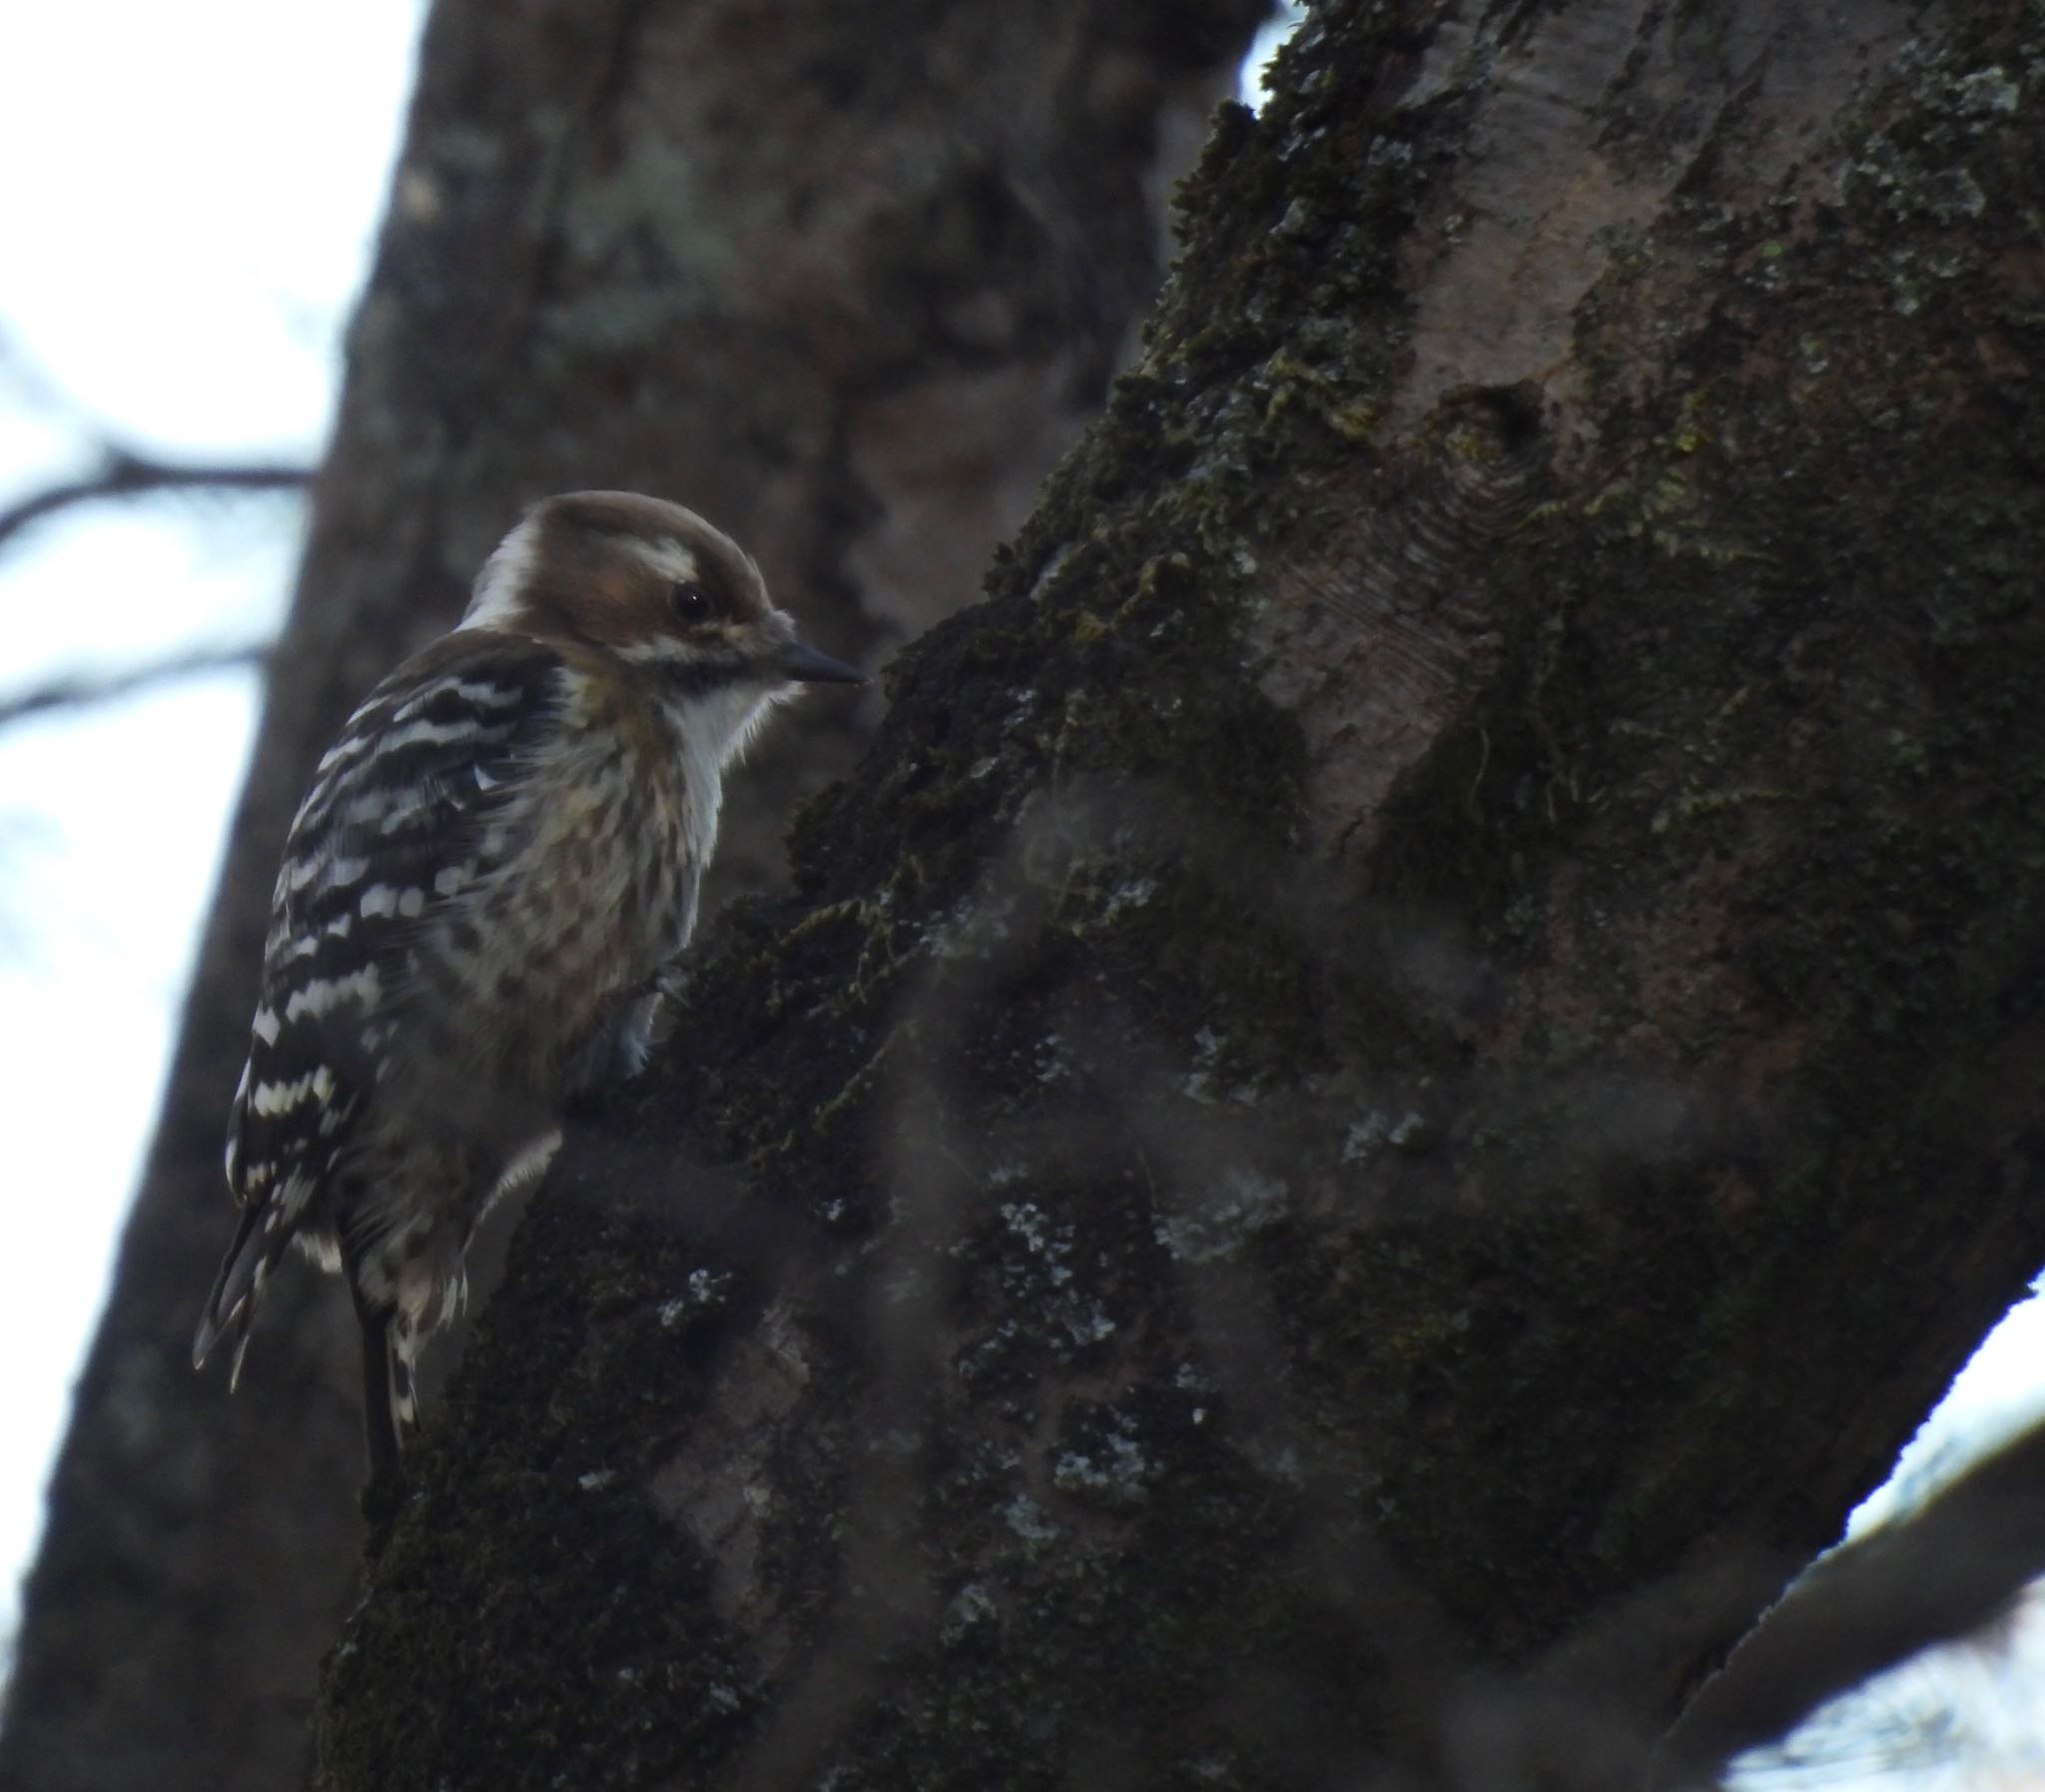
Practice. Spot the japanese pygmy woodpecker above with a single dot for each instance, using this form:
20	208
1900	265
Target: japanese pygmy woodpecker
495	862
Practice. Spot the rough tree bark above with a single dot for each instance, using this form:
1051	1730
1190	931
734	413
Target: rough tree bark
848	280
1414	1052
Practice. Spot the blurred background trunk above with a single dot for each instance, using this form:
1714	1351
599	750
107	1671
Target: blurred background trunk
847	279
1410	1059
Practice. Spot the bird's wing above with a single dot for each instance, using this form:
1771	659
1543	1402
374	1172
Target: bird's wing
385	838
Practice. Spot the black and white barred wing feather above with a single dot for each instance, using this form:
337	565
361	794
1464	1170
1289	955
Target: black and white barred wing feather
386	837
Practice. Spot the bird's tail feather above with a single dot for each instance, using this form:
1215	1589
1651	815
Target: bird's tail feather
231	1303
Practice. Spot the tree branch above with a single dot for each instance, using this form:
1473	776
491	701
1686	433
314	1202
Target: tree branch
124	474
79	691
1949	1571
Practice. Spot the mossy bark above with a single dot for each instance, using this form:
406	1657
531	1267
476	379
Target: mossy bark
847	278
1414	1052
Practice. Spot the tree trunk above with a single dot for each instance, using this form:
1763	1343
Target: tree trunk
847	279
1411	1057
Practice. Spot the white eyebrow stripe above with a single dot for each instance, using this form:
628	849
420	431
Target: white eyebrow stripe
505	576
670	559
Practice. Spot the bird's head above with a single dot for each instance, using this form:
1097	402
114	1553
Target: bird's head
656	587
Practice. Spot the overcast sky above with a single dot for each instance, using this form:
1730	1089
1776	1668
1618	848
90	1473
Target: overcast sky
193	190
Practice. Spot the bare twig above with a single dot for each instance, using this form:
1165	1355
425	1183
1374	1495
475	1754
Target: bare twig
123	474
82	690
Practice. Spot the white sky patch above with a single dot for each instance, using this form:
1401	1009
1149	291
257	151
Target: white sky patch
1999	1394
106	586
207	179
96	925
1250	86
1964	1716
200	190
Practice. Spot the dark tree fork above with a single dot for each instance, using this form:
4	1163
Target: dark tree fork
495	862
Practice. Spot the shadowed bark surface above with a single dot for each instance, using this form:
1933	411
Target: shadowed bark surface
1415	1051
848	281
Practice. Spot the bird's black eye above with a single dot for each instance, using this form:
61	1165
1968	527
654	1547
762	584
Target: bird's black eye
689	602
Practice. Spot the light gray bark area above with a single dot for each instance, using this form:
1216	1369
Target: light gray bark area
1411	1057
846	280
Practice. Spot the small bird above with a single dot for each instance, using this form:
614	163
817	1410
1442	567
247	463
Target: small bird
496	861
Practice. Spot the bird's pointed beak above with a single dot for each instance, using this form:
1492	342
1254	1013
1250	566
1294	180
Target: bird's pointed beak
802	664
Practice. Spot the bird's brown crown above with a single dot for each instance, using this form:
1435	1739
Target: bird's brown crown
614	568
